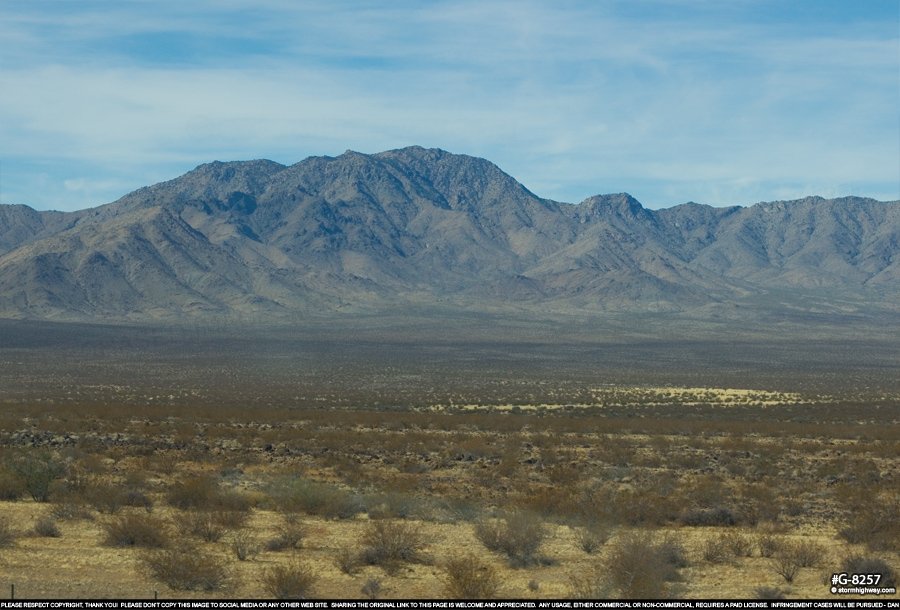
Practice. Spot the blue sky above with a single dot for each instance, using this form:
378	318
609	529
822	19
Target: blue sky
671	100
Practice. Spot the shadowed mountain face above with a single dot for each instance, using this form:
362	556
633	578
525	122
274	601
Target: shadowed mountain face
425	228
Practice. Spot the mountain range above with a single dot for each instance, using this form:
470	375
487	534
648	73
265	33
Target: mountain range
420	227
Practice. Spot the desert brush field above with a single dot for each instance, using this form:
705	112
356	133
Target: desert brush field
223	467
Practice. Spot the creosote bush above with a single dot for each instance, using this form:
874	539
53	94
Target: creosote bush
244	545
713	517
347	560
136	529
203	493
71	511
104	497
591	537
389	544
188	568
876	523
37	469
785	563
642	565
468	577
518	535
768	544
593	583
291	581
862	564
768	593
7	535
371	588
808	553
737	544
293	495
210	525
716	551
46	527
290	534
12	487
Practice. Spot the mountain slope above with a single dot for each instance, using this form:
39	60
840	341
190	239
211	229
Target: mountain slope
422	226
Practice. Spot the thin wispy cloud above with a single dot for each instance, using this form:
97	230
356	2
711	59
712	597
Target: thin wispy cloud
724	103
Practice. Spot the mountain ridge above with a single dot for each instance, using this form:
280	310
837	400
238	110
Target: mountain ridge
418	226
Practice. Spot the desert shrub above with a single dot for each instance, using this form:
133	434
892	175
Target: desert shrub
394	505
70	511
591	584
468	577
293	581
201	524
104	497
314	498
136	529
347	560
46	528
37	470
232	502
12	487
188	568
861	564
546	501
289	534
192	492
641	507
453	510
231	519
768	593
371	588
640	565
672	551
712	517
7	535
807	553
591	537
390	543
758	503
785	563
715	550
244	545
518	535
737	544
137	498
768	544
203	492
876	524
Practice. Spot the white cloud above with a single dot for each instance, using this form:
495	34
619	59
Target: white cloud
571	98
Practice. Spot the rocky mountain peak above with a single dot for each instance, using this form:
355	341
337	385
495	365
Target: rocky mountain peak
426	226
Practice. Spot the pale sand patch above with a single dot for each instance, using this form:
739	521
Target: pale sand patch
635	396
